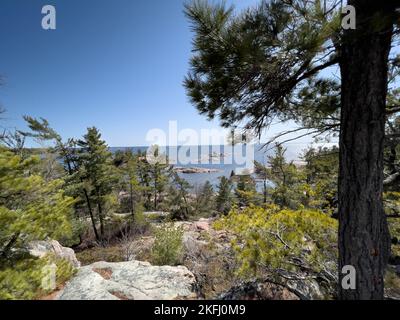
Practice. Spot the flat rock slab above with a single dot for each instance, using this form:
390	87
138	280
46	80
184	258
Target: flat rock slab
133	280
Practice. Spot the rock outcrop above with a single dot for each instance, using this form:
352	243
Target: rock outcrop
133	280
41	248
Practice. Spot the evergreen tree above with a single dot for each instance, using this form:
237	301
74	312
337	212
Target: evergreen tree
154	176
245	191
30	207
66	154
262	173
66	151
321	174
287	190
205	200
127	164
178	201
224	200
96	175
254	67
143	170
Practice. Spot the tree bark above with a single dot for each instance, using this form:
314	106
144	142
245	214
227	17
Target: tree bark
132	204
91	214
101	219
364	240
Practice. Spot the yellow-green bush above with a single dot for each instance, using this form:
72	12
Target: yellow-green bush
392	207
22	280
31	208
99	253
270	238
168	247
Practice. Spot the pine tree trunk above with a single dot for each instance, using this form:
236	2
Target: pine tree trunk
364	241
132	204
265	191
101	219
91	215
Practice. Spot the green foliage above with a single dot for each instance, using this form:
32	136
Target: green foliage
313	185
168	247
132	191
30	207
288	182
96	175
22	279
270	239
140	223
392	208
204	205
245	191
100	253
321	175
224	200
155	176
177	202
252	66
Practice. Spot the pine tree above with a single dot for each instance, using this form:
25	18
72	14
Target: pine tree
321	174
266	64
30	207
245	191
97	176
128	165
205	200
224	200
262	173
159	172
287	180
178	201
66	154
153	176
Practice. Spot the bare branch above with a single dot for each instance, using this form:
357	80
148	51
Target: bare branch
391	179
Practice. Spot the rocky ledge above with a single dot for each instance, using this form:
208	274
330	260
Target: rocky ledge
42	248
133	280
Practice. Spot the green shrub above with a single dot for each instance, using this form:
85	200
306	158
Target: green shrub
167	248
270	239
22	280
140	223
95	254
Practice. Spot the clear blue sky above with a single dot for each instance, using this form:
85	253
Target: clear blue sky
114	64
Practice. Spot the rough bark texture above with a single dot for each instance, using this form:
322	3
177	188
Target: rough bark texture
91	214
364	240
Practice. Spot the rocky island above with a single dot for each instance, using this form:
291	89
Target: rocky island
191	170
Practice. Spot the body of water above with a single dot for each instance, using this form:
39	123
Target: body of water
225	159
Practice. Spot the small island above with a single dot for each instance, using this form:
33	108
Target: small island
191	170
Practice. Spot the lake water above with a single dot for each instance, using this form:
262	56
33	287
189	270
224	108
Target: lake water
225	159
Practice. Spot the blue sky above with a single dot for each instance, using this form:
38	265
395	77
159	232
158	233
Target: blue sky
114	64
